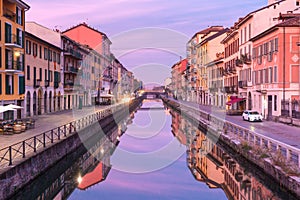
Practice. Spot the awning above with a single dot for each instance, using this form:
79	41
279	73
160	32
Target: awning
106	95
235	100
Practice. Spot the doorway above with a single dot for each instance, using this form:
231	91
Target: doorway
269	107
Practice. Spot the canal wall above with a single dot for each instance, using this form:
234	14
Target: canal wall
25	170
265	153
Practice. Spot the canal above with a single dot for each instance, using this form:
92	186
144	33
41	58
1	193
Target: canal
155	153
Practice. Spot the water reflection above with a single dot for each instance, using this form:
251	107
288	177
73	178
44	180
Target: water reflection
219	167
81	169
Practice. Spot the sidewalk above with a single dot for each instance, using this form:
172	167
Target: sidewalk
281	132
47	122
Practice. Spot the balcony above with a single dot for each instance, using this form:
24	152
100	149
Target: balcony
14	67
12	41
71	69
9	14
231	89
239	63
36	83
246	59
71	52
68	85
194	70
242	84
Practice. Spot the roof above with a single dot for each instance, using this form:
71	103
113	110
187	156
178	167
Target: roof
27	34
86	25
250	15
44	33
23	4
214	36
208	30
292	22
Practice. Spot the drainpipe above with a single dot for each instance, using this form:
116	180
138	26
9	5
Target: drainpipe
283	90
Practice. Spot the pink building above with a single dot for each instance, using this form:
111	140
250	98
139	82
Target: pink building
276	67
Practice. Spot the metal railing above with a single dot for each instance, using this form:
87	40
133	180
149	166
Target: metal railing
11	154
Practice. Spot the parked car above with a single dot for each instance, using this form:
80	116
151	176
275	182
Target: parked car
251	116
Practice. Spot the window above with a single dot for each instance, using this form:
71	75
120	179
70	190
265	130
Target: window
19	18
0	30
58	58
46	78
40	51
275	74
8	33
297	3
270	75
9	84
19	37
28	72
275	102
50	55
276	44
249	31
241	36
45	53
34	52
54	56
28	47
41	78
245	33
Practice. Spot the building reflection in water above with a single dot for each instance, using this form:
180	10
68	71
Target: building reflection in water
211	164
82	169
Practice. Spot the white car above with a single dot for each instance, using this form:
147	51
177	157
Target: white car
252	116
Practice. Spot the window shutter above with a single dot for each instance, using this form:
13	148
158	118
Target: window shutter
17	12
0	83
21	85
7	90
12	84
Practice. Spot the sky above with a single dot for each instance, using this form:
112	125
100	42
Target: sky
148	36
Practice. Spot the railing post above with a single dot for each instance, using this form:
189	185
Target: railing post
34	144
44	139
65	130
70	128
51	136
58	135
23	145
10	155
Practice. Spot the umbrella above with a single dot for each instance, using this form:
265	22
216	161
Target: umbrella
13	106
5	108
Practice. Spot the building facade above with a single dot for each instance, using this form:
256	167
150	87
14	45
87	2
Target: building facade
12	79
44	89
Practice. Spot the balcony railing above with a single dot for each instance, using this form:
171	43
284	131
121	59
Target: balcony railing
71	69
246	58
9	14
242	84
15	66
239	63
231	89
74	53
47	83
13	41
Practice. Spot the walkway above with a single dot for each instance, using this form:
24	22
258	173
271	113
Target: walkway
281	132
47	122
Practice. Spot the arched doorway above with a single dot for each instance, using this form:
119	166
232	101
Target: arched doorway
50	101
45	102
40	96
28	104
34	103
249	101
58	101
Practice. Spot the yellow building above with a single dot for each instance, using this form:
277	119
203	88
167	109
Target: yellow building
12	81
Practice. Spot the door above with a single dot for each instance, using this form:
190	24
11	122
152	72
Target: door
269	107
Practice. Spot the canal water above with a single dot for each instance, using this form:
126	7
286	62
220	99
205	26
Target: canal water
154	154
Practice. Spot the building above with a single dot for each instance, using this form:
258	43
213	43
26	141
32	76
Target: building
76	94
276	67
202	58
231	70
44	89
12	80
211	50
178	82
100	43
